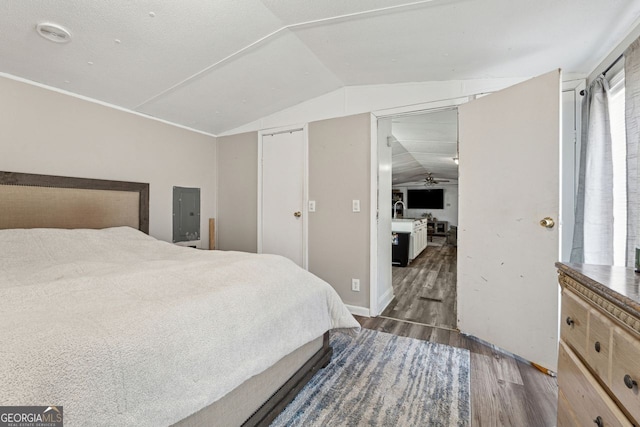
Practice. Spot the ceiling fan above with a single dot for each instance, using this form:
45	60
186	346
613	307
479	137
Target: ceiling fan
430	180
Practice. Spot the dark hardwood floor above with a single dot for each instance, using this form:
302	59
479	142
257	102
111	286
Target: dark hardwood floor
425	290
505	391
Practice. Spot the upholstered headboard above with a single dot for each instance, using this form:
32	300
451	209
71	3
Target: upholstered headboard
45	201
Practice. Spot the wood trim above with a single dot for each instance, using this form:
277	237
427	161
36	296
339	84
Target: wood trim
35	180
270	410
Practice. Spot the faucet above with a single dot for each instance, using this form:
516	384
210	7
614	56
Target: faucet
395	212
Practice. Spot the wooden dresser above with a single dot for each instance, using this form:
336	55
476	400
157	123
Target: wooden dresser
599	352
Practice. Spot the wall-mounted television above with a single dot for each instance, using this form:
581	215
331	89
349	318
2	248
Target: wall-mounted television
425	199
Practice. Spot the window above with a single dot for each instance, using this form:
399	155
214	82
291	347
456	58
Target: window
619	154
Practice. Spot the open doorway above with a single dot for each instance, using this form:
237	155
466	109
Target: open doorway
424	217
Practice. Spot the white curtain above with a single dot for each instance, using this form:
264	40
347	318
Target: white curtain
632	123
593	234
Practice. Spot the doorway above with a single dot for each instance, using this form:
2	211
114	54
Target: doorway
511	140
424	216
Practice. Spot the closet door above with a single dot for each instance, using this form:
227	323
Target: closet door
282	217
509	182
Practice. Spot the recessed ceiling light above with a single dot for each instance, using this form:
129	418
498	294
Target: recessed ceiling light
53	32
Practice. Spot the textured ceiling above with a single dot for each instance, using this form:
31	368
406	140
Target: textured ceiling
425	143
216	65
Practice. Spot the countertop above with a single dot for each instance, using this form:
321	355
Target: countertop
619	285
405	225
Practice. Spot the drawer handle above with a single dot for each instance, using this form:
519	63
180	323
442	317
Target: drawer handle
597	346
599	421
570	321
630	382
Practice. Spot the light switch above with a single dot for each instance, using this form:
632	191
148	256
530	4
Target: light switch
356	205
312	205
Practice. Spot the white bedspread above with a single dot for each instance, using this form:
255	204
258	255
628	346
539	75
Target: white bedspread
122	329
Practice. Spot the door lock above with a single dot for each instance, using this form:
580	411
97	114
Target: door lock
297	214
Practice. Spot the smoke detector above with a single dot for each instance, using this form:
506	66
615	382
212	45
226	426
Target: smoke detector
53	32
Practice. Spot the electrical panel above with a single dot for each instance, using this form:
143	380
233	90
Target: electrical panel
186	214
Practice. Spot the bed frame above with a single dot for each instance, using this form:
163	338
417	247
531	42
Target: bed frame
45	201
279	400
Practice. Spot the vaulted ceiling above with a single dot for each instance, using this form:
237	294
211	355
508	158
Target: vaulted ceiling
425	143
215	65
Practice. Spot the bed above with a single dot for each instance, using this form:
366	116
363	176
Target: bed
122	329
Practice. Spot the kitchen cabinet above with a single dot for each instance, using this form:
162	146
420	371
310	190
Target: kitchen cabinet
417	239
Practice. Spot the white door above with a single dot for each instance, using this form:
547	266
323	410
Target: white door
281	229
509	167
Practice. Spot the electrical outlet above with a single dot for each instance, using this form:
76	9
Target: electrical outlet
312	205
356	205
355	285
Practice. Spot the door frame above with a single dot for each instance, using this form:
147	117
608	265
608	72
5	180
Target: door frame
374	305
305	185
568	173
569	164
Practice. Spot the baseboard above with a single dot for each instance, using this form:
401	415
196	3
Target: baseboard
358	311
385	300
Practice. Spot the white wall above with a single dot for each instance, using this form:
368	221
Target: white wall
383	206
616	52
380	99
450	211
47	132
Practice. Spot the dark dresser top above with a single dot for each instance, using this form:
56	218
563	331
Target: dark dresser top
620	285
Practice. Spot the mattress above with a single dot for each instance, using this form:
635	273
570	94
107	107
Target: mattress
122	329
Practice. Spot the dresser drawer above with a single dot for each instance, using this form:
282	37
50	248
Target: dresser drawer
599	345
573	324
626	362
586	401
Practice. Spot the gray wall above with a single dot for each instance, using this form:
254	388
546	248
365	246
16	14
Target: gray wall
339	165
47	132
237	221
339	172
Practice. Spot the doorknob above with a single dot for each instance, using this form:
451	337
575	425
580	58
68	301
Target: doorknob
547	222
297	214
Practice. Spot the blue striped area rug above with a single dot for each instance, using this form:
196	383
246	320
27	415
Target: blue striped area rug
379	379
